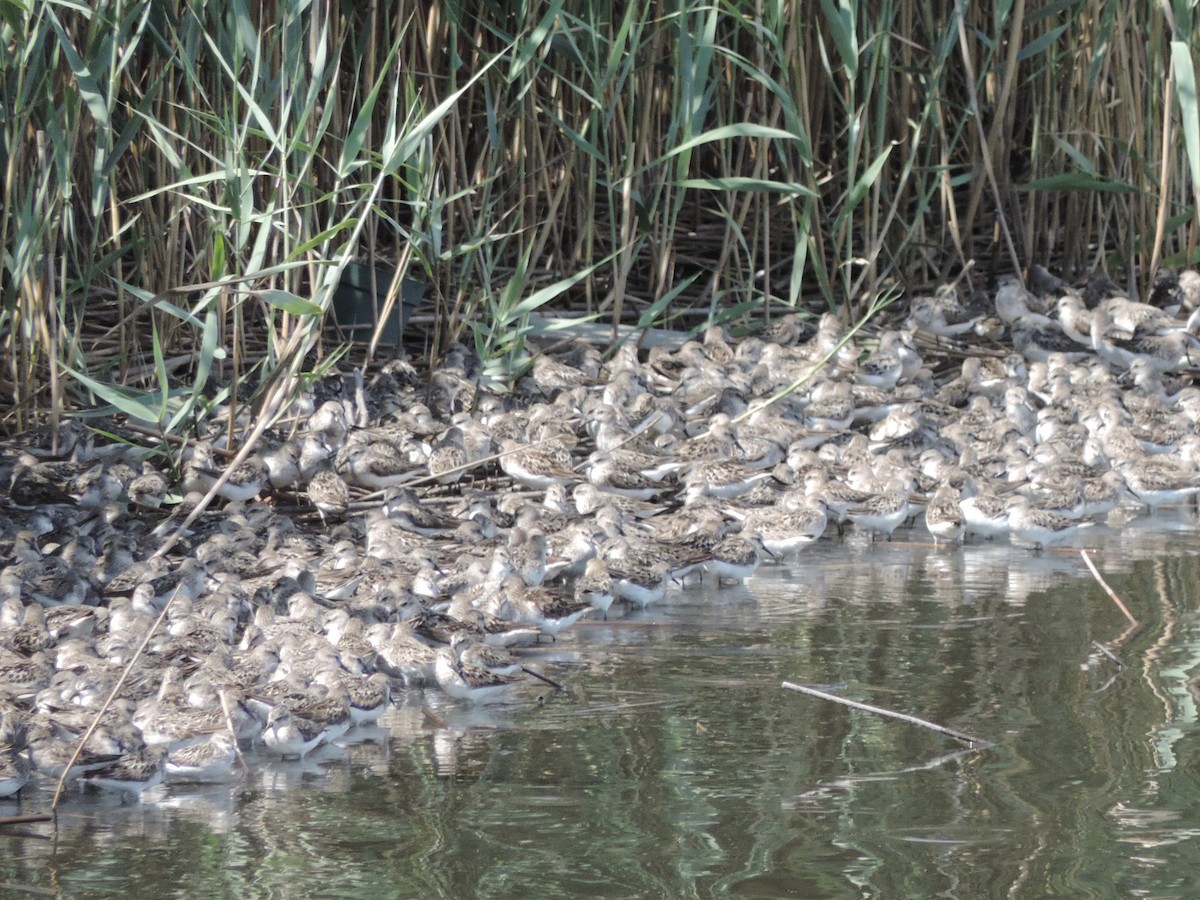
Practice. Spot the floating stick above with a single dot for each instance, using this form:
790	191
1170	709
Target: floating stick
27	889
1111	593
540	677
24	820
1099	646
970	740
433	717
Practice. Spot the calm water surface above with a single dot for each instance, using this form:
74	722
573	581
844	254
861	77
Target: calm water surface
675	766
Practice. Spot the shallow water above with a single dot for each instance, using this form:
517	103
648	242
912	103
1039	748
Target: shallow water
674	765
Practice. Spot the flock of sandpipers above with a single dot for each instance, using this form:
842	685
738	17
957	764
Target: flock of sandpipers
416	532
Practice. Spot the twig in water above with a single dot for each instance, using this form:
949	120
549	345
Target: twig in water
970	740
540	677
1111	593
24	820
27	889
1099	646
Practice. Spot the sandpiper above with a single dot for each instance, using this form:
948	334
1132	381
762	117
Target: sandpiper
527	553
569	550
290	735
942	314
448	459
784	530
377	466
149	488
787	331
639	584
478	655
547	610
497	632
328	493
175	724
24	677
883	368
552	376
470	683
1014	303
883	512
400	655
944	515
245	482
1075	319
52	746
1156	484
589	499
735	558
132	774
1104	494
607	474
210	760
722	480
835	496
14	759
595	586
406	509
1038	342
283	465
985	514
1038	527
532	466
368	697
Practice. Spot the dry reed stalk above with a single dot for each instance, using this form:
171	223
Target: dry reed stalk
567	155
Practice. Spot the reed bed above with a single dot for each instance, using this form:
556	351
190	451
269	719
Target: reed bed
186	183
